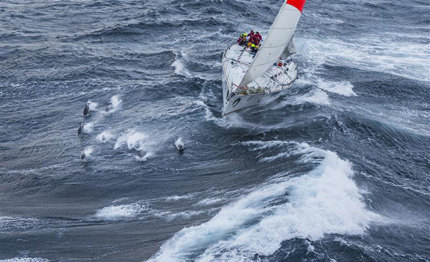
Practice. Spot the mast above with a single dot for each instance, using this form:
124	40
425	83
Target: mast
277	40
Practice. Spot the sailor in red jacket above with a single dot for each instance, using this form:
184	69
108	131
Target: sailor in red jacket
251	36
257	38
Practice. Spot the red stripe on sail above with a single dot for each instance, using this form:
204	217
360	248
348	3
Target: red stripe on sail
297	4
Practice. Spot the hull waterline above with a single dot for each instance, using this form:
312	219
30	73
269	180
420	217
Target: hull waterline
238	102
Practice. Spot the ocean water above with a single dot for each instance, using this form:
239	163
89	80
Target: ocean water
336	168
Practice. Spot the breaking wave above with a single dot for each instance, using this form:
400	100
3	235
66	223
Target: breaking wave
323	201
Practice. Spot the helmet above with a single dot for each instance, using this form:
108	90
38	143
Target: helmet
245	34
253	45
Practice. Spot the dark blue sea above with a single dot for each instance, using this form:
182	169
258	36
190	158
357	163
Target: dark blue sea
336	168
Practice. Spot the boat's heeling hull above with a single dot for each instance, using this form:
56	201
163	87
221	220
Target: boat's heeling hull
235	62
237	102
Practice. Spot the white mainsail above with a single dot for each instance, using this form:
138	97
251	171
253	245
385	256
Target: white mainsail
279	37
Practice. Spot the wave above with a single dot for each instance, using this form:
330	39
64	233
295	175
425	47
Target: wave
11	224
179	66
371	53
114	105
121	212
343	88
25	259
176	197
323	201
184	215
133	140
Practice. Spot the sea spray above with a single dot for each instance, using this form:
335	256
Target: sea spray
133	140
323	201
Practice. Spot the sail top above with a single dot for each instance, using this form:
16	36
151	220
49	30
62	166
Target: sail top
277	40
299	4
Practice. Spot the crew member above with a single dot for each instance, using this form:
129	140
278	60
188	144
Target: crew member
251	36
242	39
257	38
254	49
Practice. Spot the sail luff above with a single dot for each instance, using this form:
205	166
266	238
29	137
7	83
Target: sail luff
277	40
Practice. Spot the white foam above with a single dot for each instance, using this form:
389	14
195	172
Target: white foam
259	145
119	212
133	140
210	117
179	66
209	201
176	197
315	96
92	105
144	157
115	101
104	136
373	53
273	158
344	88
25	259
178	216
88	151
310	248
22	223
323	201
114	105
88	128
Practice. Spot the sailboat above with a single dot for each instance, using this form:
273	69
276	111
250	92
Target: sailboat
248	76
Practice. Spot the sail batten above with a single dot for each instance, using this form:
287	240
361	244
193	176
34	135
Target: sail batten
277	40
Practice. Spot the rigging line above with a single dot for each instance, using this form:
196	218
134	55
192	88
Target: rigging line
241	19
271	10
237	61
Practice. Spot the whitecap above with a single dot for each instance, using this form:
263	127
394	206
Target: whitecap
25	259
344	88
119	212
92	105
114	105
385	54
144	157
179	66
133	140
323	201
88	128
209	201
88	151
316	96
176	197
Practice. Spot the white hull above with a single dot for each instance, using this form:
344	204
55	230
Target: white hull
235	62
237	102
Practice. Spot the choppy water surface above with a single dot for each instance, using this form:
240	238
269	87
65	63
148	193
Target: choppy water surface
334	169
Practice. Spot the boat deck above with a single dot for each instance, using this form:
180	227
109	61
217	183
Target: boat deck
236	61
